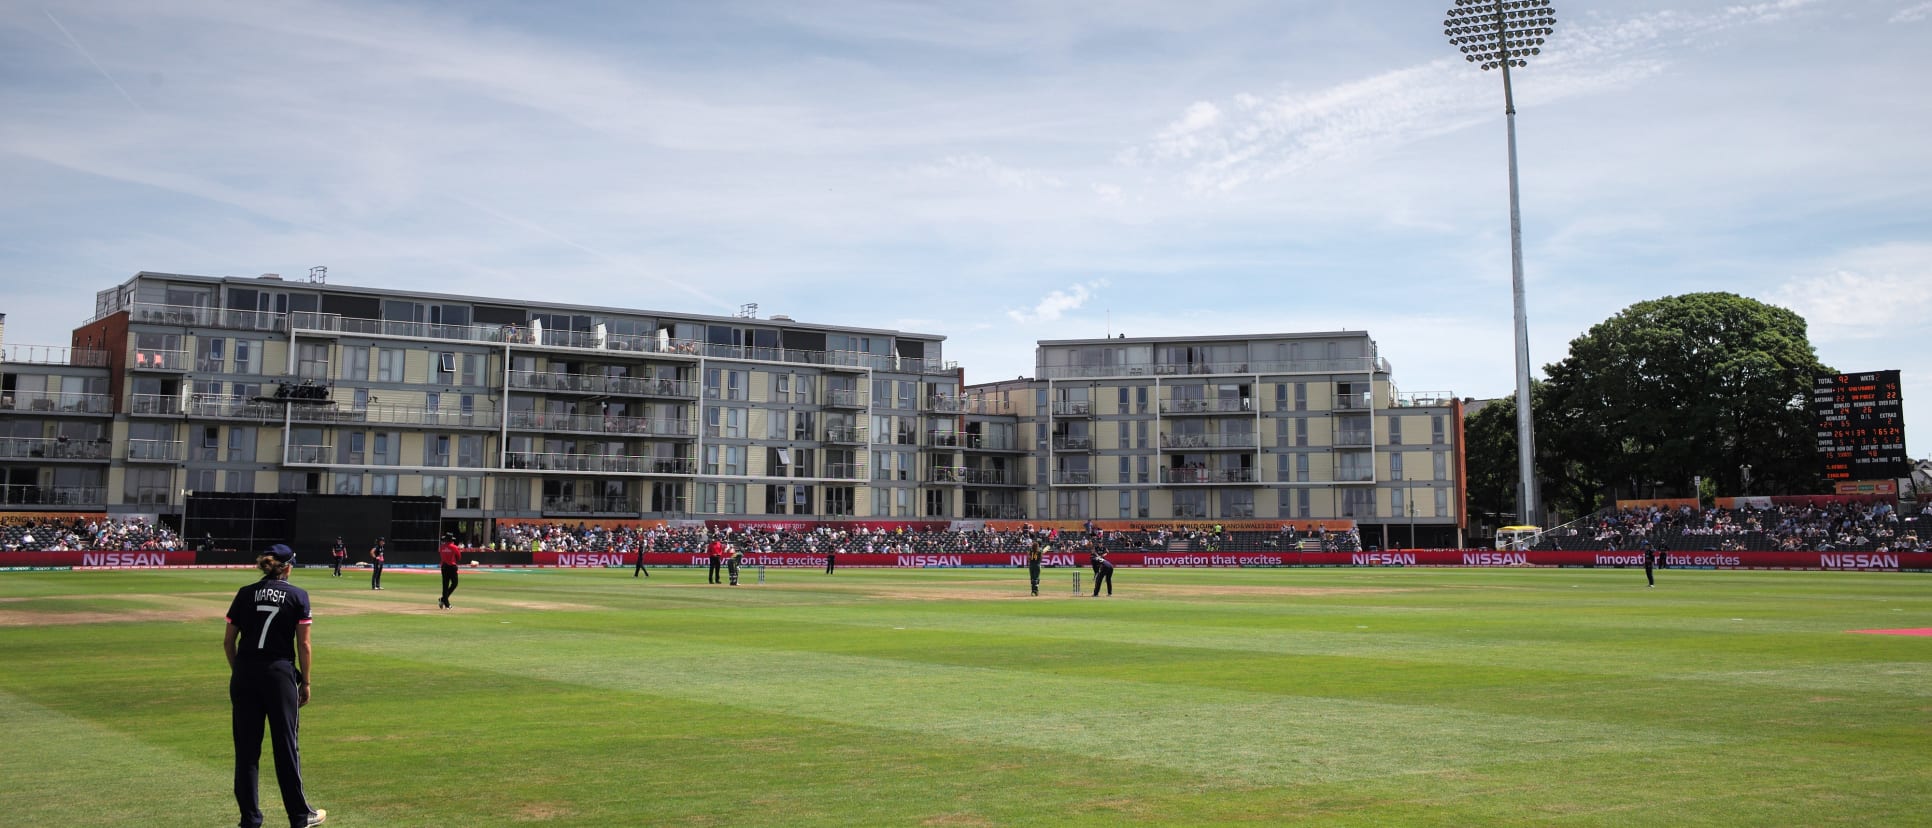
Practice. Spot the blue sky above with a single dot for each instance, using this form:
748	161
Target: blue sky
995	172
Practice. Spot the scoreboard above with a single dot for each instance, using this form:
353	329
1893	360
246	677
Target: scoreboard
1861	425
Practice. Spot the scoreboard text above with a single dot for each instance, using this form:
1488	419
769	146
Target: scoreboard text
1861	425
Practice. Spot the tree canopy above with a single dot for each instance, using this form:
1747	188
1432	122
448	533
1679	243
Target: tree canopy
1698	385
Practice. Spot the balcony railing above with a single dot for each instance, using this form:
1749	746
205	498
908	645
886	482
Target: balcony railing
602	385
985	443
1422	399
1064	443
150	359
1230	405
947	474
1073	478
594	341
1207	476
1362	401
392	415
944	439
154	451
601	424
995	511
1209	441
312	454
607	504
608	463
19	494
845	398
940	404
1073	408
53	448
988	405
844	434
56	402
53	355
845	471
201	317
991	477
1350	365
160	404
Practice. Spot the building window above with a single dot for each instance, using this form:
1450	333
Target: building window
1395	503
1441	459
1358	502
445	368
348	484
1301	396
469	493
435	485
1442	503
472	369
1436	434
1395	430
1395	466
382	484
389	365
1301	468
1301	431
312	360
248	356
436	450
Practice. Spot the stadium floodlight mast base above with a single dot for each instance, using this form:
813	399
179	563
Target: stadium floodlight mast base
1500	34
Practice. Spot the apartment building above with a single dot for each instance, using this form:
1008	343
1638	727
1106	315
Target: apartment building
1289	426
507	408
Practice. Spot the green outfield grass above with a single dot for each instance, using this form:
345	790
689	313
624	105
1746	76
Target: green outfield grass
950	698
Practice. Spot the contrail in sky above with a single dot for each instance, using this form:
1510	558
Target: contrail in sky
95	63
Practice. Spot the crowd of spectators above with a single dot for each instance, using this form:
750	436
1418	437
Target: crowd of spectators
1849	527
847	538
82	534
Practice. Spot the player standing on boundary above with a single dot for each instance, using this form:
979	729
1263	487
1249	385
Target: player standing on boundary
451	555
831	558
267	634
642	544
376	556
1652	557
1103	570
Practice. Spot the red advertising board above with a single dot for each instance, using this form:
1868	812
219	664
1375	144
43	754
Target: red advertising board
1880	561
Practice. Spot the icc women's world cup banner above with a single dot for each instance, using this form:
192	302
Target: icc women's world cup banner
1866	561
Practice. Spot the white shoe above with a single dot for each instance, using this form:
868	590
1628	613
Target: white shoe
320	816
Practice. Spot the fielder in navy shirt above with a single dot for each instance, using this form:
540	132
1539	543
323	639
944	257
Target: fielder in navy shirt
269	661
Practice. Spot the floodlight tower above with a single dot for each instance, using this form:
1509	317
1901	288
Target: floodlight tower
1500	34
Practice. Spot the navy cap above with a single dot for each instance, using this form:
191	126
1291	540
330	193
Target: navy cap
281	552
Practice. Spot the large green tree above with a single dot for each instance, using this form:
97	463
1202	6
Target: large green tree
1702	384
1565	485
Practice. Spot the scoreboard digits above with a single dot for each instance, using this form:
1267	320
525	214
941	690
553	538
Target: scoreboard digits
1860	421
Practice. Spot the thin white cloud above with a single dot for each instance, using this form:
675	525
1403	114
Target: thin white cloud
977	167
1913	14
1883	292
1254	139
1057	303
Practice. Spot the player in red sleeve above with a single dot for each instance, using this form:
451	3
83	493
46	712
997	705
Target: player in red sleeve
451	555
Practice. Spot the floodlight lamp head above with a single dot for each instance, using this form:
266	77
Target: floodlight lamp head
1498	33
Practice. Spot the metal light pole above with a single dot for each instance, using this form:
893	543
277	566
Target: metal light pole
1503	34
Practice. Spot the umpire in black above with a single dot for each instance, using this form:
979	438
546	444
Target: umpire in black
267	637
